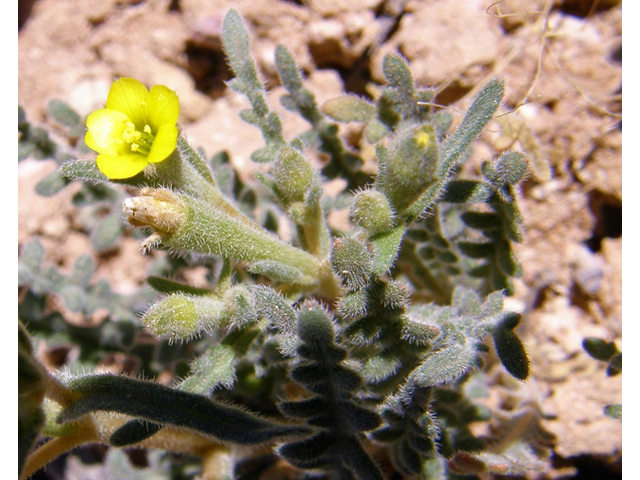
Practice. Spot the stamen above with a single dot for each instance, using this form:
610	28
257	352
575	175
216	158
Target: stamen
139	142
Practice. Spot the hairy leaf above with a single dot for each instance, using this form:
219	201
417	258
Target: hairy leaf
483	107
159	404
511	352
445	365
132	432
349	108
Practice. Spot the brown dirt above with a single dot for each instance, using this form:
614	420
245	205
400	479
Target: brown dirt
561	61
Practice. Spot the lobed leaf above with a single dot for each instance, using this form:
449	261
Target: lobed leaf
159	404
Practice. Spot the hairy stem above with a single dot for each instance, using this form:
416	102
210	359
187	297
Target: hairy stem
56	447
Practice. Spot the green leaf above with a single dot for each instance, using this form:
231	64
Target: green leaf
280	272
427	200
159	404
510	169
445	365
386	246
32	377
265	154
195	159
349	108
31	258
615	365
467	192
485	221
309	408
357	460
483	107
287	70
83	270
511	352
215	368
235	40
507	261
51	184
132	432
466	301
477	250
107	233
419	333
375	130
600	349
407	458
396	71
64	114
168	286
352	262
377	369
82	170
73	297
308	449
613	411
271	305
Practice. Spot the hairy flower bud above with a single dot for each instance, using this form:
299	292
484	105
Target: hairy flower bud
183	317
371	210
410	164
293	175
158	209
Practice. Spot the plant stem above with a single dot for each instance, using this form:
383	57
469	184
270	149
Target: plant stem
56	447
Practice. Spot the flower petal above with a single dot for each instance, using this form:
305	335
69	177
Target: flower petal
121	166
105	130
129	96
164	144
163	107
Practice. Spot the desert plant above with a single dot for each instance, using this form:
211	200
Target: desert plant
346	351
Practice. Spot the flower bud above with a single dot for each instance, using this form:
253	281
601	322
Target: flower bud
410	164
293	175
158	209
183	317
371	210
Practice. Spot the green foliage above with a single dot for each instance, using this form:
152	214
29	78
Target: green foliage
149	400
350	353
606	352
333	408
36	142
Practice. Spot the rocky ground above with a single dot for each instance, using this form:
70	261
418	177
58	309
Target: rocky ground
562	64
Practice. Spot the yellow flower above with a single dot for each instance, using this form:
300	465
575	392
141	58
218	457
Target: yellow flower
136	128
